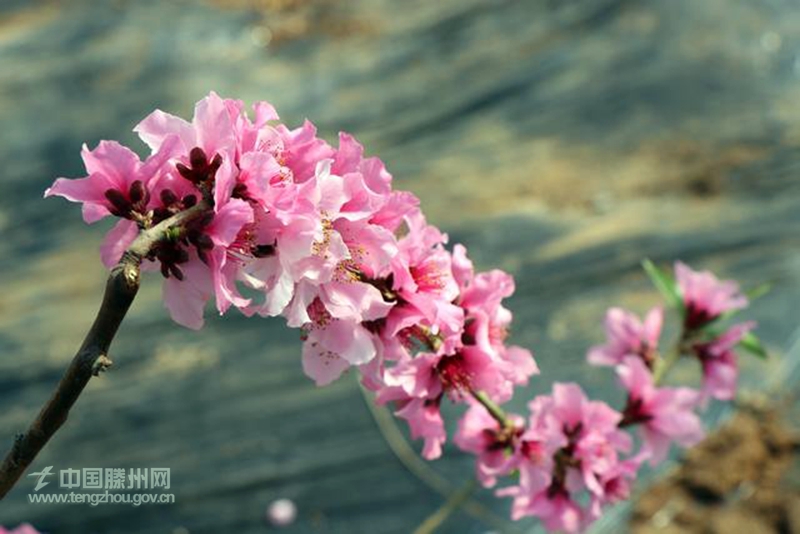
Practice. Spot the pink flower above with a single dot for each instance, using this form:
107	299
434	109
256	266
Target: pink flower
208	167
428	348
332	345
24	528
419	383
627	335
303	150
329	256
719	361
617	483
558	513
665	414
480	434
428	376
705	297
118	182
416	391
190	162
590	427
425	421
209	268
487	323
323	238
422	278
577	444
211	130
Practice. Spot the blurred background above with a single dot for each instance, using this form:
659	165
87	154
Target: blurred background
561	140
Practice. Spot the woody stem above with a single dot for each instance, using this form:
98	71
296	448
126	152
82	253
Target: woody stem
92	357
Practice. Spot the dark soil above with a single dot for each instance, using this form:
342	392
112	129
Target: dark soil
744	478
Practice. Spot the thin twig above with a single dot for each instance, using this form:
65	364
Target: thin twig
664	365
92	357
494	410
435	520
387	426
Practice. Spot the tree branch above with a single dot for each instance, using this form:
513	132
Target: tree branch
92	357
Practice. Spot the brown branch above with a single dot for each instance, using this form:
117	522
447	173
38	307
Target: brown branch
92	357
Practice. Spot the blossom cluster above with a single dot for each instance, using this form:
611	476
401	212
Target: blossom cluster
573	455
286	224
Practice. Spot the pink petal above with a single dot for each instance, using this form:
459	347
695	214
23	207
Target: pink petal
304	150
157	126
90	191
332	194
636	378
376	176
522	362
569	400
117	240
348	157
655	445
322	365
349	340
399	205
296	312
213	127
223	275
355	300
652	325
719	379
186	299
229	220
118	163
265	112
463	270
425	422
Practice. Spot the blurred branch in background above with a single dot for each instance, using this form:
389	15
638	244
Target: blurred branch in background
419	468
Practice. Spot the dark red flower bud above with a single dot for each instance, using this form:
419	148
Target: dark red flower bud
159	214
203	242
176	271
185	171
137	192
206	219
168	197
197	158
121	205
181	255
214	165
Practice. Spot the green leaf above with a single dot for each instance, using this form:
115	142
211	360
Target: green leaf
758	291
665	284
752	344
